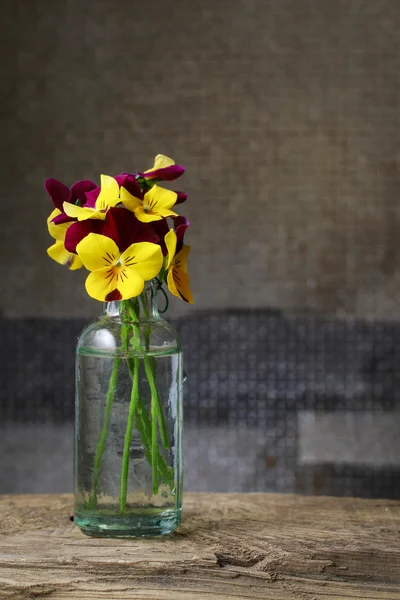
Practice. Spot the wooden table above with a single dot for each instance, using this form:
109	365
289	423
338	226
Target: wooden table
229	546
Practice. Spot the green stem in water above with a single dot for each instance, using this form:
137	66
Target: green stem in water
155	399
147	338
143	424
101	444
150	377
143	421
147	328
156	410
154	447
128	435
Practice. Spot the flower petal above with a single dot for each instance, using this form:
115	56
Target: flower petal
77	212
97	251
50	225
166	213
109	193
145	258
146	217
116	282
131	202
179	285
57	231
130	283
181	224
150	216
170	242
130	183
145	233
161	162
79	230
91	197
58	253
58	192
82	213
167	174
125	229
161	228
80	189
182	197
164	168
158	198
180	261
62	218
74	262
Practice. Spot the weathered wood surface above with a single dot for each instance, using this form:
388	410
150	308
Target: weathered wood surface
251	546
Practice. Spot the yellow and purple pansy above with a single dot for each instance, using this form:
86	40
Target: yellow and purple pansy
115	275
155	205
164	169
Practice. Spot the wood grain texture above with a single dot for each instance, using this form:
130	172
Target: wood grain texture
253	546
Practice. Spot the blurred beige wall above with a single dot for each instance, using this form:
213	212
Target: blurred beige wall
285	113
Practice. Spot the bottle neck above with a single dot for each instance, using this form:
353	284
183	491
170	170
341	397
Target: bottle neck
143	308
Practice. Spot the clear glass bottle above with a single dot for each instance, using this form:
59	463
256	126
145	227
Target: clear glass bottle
128	422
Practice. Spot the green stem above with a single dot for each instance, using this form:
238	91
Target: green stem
128	435
150	377
155	399
147	338
154	447
101	444
143	424
156	410
143	421
147	328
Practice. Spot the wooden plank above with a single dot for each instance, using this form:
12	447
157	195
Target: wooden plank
230	546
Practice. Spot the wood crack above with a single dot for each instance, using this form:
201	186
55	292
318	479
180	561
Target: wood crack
224	560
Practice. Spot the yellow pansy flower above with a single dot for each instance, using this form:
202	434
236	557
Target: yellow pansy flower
57	251
178	278
117	276
96	208
156	204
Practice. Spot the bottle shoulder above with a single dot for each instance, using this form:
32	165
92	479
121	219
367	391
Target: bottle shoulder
111	336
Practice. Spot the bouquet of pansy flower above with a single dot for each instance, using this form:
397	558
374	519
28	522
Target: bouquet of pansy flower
96	226
126	233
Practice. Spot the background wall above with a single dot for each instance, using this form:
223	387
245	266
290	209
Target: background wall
286	114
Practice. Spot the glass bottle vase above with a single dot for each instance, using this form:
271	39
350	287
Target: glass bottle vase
128	422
